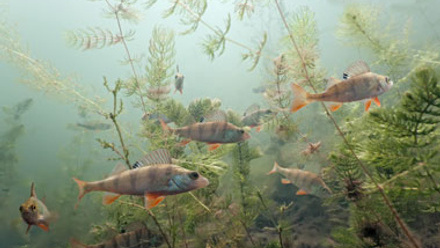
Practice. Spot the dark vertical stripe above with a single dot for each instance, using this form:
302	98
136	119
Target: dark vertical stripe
116	183
133	180
200	131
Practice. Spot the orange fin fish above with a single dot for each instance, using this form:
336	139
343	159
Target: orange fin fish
285	181
367	105
301	192
335	106
376	101
212	147
109	198
300	98
152	200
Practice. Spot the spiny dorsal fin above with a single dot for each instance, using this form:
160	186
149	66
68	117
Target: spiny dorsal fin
216	116
33	190
254	107
160	156
331	81
357	68
120	167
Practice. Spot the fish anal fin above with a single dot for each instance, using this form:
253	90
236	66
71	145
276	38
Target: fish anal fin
109	198
301	192
184	142
367	105
285	181
151	200
376	101
335	106
212	147
43	226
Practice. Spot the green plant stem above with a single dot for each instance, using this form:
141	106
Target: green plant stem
127	51
179	215
361	164
272	219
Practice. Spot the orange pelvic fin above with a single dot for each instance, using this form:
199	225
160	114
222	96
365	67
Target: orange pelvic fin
367	105
376	101
109	198
285	181
76	244
43	226
300	98
212	147
335	106
301	192
152	200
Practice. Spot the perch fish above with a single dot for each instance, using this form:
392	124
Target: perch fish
138	238
94	125
307	182
358	83
178	83
153	177
35	213
253	116
214	131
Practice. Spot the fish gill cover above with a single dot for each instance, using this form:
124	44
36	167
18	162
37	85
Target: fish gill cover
379	168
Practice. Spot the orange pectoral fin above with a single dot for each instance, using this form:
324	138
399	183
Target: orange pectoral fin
367	105
212	147
285	181
301	192
376	101
44	227
152	200
334	107
109	198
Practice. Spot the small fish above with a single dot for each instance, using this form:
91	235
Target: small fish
156	117
158	92
311	148
34	212
307	182
94	125
254	116
137	238
215	131
153	182
358	84
261	89
178	83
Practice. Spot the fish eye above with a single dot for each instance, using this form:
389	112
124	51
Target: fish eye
387	79
241	131
175	77
194	175
21	208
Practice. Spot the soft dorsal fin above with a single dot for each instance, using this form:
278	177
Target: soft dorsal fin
120	167
160	156
357	68
331	81
216	116
254	107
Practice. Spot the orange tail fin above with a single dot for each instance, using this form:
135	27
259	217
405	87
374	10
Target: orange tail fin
300	99
165	127
81	187
274	169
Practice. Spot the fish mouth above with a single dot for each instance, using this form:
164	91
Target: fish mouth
202	182
246	136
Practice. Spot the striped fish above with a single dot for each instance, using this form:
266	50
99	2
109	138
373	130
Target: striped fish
213	132
254	116
153	177
307	182
34	212
359	84
178	81
135	239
